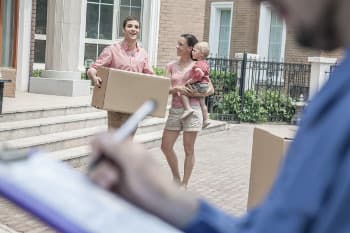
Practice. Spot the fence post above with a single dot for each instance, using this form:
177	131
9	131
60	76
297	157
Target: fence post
242	79
319	67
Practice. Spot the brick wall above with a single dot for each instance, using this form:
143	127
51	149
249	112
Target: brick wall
245	25
245	16
176	18
245	31
295	53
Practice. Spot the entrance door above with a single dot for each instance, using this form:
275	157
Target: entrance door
8	32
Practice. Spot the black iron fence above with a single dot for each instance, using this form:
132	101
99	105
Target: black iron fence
252	90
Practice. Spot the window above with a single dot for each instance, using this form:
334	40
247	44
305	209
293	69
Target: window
41	17
220	29
103	26
7	32
275	41
224	34
40	32
272	34
104	19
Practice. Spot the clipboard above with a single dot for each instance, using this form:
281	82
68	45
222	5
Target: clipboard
66	199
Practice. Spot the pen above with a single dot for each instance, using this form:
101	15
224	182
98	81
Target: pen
128	127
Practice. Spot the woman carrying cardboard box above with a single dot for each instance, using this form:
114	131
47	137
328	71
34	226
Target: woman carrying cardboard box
124	55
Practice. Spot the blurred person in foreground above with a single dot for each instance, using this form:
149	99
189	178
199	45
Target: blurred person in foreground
312	190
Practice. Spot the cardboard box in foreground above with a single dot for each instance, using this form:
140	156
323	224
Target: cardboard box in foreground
269	145
124	91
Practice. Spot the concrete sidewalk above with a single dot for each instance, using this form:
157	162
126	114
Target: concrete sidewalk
221	175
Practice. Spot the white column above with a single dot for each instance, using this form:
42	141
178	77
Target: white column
62	75
23	48
154	32
319	67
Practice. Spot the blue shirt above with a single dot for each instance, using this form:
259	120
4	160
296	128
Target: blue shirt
312	191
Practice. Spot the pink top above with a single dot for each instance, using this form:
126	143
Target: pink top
198	76
179	78
119	56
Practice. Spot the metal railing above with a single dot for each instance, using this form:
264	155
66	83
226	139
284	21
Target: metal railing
242	77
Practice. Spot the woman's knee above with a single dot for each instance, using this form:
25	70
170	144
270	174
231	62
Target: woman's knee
165	147
189	149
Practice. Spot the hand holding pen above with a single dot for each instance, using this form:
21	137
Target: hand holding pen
127	128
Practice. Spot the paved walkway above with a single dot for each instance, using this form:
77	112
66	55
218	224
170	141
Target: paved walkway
221	175
222	169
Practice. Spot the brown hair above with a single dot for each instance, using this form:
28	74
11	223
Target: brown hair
130	18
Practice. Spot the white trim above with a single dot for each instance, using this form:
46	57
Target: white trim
264	32
284	38
40	36
153	31
82	34
215	9
23	47
38	66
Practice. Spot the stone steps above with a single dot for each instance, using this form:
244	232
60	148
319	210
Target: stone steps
39	126
78	156
36	113
66	131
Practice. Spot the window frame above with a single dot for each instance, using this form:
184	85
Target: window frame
264	32
215	14
150	30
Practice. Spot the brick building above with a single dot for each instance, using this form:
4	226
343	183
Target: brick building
243	26
62	37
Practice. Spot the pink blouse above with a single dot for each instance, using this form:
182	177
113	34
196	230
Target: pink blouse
179	78
119	56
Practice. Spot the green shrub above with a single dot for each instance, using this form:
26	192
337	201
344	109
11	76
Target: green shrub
253	109
266	106
159	71
36	73
279	107
222	80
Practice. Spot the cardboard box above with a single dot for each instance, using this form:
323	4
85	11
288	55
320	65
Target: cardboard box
269	145
9	87
123	91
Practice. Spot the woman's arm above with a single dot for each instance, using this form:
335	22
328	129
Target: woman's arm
189	91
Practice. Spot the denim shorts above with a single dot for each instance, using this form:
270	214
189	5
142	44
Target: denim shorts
200	87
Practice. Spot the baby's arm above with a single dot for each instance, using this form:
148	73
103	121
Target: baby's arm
197	75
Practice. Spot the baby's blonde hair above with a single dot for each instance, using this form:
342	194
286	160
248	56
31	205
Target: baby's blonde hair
203	48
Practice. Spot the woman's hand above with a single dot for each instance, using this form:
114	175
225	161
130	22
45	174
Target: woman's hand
129	171
178	90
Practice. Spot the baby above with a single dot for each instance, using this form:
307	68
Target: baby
199	81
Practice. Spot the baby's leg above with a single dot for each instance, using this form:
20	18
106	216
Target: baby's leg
188	110
204	109
186	102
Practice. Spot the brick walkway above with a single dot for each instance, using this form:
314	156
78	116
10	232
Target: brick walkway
221	172
221	175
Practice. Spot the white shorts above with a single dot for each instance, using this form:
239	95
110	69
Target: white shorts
193	123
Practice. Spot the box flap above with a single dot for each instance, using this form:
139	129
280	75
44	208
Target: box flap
286	132
98	96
